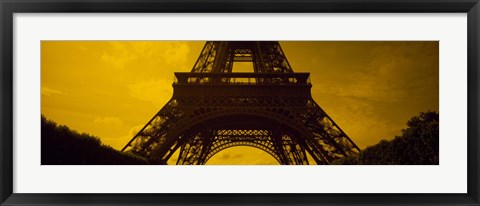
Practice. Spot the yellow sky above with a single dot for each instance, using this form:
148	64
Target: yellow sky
110	89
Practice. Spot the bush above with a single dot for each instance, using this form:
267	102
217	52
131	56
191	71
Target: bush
63	146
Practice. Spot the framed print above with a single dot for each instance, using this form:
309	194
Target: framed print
251	103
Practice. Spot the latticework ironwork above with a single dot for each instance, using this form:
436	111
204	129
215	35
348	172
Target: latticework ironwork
213	109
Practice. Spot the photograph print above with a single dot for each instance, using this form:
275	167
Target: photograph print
240	102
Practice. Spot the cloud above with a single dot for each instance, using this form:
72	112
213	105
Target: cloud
82	48
156	91
119	56
370	85
361	120
122	54
134	130
264	162
372	96
242	155
175	53
228	156
118	142
388	73
108	121
49	91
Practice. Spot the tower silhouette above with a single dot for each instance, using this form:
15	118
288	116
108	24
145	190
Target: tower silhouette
213	109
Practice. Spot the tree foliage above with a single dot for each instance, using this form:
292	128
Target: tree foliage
63	146
418	145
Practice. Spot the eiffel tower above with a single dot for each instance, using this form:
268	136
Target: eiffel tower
213	109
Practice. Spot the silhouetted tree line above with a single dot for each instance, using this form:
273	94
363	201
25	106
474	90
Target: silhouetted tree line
63	146
418	145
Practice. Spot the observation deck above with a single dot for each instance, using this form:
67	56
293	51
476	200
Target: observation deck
241	84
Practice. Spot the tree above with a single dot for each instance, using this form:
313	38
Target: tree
418	145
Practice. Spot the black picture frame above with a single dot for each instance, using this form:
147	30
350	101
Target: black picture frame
10	7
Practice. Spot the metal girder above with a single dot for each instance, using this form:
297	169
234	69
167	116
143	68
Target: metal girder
218	57
181	119
210	111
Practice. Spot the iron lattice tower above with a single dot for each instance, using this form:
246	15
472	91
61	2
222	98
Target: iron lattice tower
213	109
